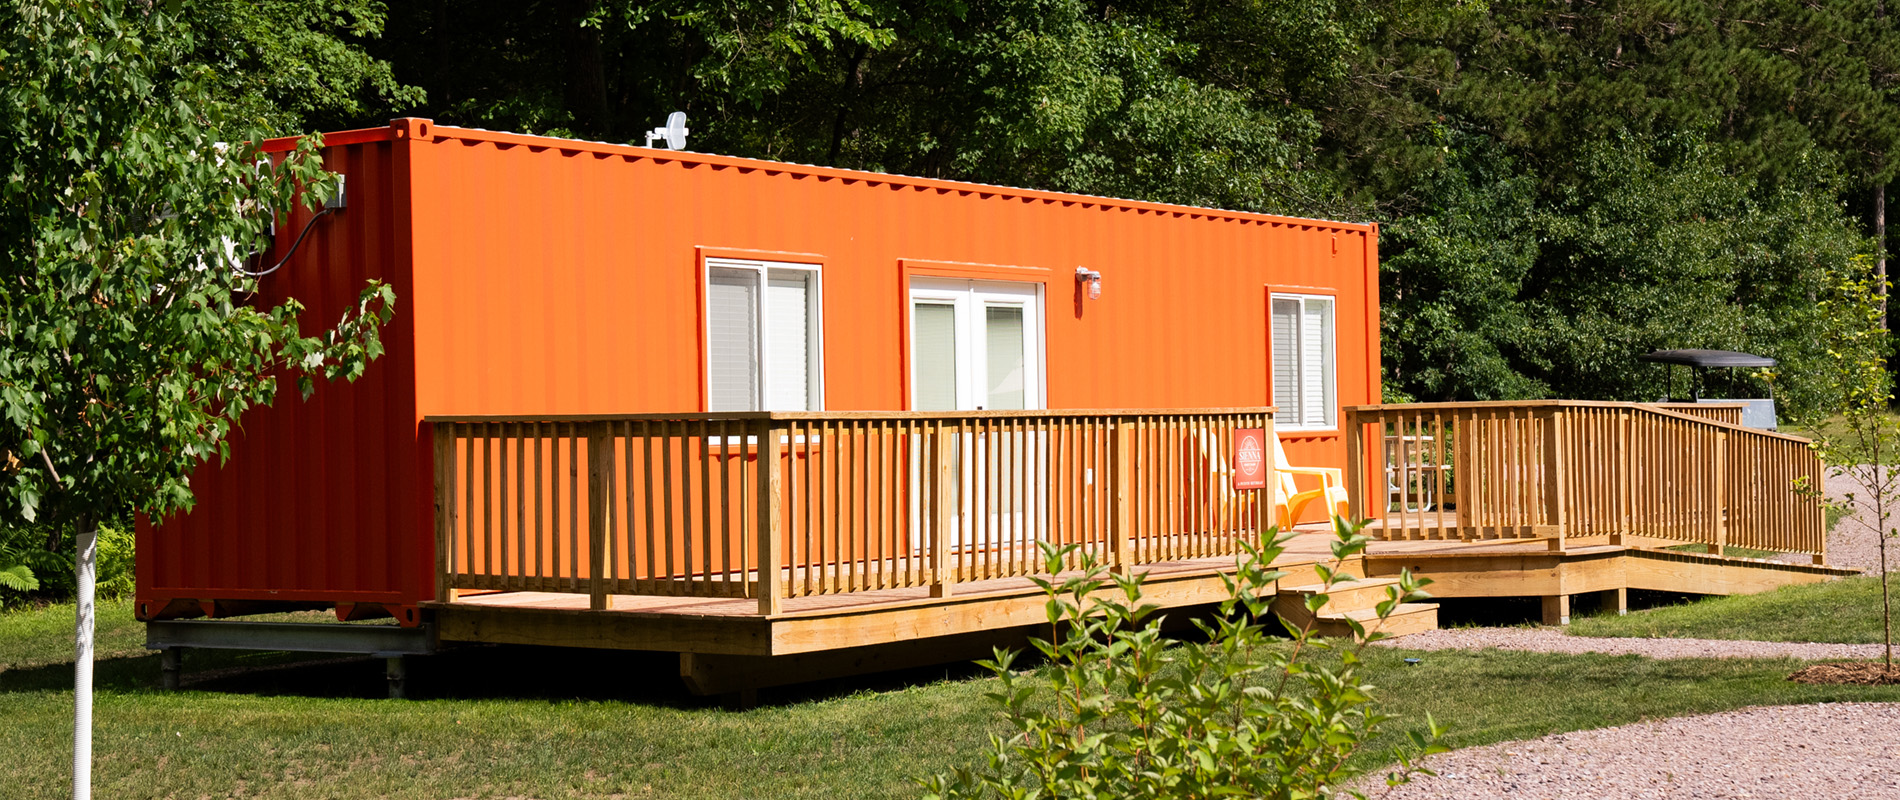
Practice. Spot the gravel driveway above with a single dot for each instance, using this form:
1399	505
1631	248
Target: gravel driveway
1820	751
1827	750
1554	640
1852	543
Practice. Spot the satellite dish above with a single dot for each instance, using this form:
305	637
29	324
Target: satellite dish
674	133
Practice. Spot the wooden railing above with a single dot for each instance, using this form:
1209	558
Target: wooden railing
776	505
1560	470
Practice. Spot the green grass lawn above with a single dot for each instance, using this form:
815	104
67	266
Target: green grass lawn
521	722
40	636
1845	611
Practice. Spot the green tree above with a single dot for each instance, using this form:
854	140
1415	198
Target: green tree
1501	286
1858	435
128	347
1208	103
287	66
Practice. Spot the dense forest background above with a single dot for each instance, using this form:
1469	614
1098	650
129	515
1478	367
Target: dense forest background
1562	184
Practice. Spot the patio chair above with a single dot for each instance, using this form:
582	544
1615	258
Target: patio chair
1289	502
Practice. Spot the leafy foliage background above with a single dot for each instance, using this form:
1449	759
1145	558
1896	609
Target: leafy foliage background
1562	184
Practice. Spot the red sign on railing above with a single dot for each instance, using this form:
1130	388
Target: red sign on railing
1250	458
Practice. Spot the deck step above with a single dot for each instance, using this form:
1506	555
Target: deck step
1356	600
1408	618
1346	595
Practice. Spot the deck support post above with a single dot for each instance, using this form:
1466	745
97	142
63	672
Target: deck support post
170	663
943	500
1123	468
396	671
770	587
1557	472
1625	460
1557	609
1356	456
444	435
1263	498
600	487
1618	599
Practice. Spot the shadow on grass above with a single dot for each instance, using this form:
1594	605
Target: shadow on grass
470	672
497	672
1492	612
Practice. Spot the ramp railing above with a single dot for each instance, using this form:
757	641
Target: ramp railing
1561	470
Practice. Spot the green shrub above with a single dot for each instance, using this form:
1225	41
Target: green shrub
1120	711
36	567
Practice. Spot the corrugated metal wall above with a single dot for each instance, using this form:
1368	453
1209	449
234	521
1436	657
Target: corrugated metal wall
554	276
319	501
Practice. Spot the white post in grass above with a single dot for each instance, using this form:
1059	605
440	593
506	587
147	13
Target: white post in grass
82	665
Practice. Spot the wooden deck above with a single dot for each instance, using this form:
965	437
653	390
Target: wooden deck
776	547
727	646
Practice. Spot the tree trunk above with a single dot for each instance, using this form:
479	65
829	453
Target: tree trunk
85	563
847	94
1880	242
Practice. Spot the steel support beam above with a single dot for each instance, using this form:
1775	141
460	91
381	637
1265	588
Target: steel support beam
389	642
380	641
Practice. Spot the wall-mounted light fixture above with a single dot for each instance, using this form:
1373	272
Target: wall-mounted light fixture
1093	279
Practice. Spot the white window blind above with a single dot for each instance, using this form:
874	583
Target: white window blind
1005	356
934	356
788	341
761	337
732	336
1304	385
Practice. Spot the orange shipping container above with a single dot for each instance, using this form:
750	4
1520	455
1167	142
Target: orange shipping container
549	276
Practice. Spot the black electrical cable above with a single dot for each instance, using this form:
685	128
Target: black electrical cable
293	245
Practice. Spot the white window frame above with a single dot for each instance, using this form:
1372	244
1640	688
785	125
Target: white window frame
1289	408
814	328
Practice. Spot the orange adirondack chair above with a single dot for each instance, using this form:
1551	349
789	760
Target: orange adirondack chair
1289	501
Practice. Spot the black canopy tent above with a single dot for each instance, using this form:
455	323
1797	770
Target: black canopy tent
1700	361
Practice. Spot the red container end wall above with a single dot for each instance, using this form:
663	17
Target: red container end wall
314	507
546	276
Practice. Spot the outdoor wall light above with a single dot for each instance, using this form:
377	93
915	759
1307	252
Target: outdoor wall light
1093	279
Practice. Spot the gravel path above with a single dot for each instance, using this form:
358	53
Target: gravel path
1852	544
1554	640
1826	750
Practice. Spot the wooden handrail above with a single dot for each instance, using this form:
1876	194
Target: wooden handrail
704	416
776	505
1729	413
1559	470
1659	408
